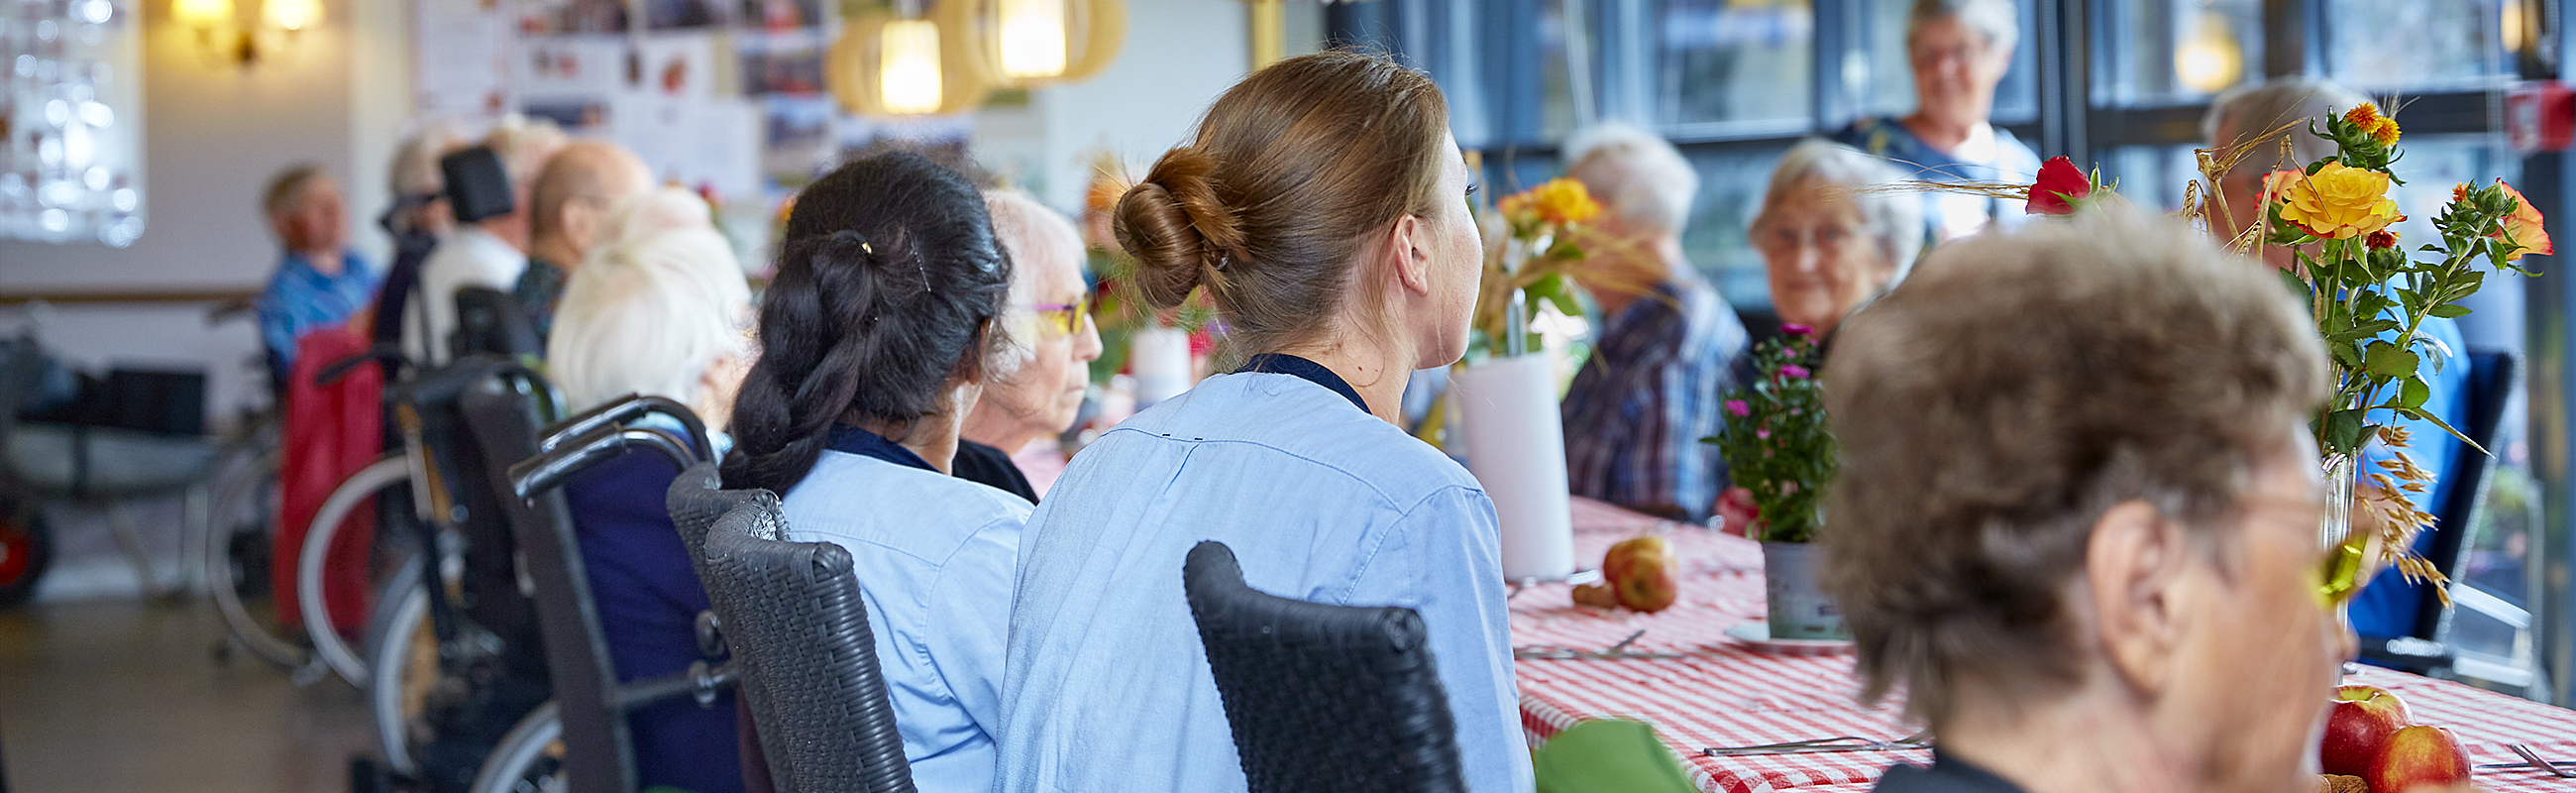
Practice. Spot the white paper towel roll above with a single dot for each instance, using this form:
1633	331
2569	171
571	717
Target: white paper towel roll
1159	358
1516	449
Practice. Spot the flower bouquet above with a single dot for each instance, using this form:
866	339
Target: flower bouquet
1777	446
1538	259
2371	299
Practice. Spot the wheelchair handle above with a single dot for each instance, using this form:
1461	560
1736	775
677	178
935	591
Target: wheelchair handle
547	470
382	352
629	409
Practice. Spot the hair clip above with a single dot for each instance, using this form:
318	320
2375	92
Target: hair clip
848	235
1222	260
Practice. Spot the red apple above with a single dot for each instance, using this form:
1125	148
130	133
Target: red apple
1640	572
2420	756
2362	718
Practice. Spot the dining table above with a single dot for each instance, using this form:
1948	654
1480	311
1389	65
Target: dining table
1677	671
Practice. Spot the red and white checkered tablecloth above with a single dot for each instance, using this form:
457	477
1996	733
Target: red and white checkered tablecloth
1724	694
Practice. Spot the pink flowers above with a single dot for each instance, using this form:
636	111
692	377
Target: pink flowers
1795	372
1795	329
1737	407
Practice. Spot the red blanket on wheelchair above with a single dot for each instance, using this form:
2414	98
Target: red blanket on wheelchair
332	431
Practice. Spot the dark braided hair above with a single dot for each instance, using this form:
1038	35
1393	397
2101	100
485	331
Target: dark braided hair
888	282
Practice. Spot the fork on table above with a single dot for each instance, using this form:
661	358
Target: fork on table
2563	769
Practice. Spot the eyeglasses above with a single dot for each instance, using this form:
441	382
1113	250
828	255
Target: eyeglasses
1065	318
2340	558
1782	238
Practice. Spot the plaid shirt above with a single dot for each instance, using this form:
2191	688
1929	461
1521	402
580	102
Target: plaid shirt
1636	413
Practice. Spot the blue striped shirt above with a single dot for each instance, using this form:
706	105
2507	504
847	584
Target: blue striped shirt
1636	413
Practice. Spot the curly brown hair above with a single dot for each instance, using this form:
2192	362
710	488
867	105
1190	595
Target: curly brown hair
2019	385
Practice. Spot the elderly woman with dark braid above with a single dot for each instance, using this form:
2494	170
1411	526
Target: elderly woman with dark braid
874	339
1324	206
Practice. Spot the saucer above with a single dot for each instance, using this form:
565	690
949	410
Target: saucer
1757	634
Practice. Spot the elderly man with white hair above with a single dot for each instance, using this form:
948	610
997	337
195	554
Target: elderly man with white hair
1037	385
1638	409
1959	50
659	312
488	252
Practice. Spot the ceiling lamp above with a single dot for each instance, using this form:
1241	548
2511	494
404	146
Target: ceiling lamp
889	66
2211	61
1038	43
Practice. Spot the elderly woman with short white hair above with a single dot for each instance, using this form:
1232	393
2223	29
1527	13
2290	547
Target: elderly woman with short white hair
1959	51
661	312
1828	243
1039	378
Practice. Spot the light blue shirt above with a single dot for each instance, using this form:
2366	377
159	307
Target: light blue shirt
934	556
1109	687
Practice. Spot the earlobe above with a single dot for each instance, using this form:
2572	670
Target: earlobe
2132	564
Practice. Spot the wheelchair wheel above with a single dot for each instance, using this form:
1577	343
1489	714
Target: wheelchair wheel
388	472
530	758
26	549
402	651
237	558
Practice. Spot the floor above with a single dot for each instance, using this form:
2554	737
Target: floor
126	695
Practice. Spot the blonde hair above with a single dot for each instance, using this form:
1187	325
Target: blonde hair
648	315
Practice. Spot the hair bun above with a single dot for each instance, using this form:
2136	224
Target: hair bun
1176	227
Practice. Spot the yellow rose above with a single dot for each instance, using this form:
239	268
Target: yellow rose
1560	201
2337	202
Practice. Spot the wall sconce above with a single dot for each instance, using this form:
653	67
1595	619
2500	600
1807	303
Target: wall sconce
220	38
887	65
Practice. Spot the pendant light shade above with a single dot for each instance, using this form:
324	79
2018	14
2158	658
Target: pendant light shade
884	66
1038	43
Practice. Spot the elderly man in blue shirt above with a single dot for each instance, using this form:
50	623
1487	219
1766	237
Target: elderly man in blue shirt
319	282
2387	607
1637	411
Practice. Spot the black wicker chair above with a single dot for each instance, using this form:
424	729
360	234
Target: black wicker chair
1322	697
799	633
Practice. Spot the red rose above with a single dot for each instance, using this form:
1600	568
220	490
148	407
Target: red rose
2060	185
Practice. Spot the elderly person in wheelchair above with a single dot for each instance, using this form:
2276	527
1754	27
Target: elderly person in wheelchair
659	312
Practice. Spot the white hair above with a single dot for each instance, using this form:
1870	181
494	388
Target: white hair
1998	20
663	209
415	167
1895	220
1636	174
648	315
1032	235
2248	111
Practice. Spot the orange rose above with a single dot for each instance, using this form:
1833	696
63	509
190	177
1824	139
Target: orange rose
2523	227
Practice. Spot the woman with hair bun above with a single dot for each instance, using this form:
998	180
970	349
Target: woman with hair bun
1323	205
874	341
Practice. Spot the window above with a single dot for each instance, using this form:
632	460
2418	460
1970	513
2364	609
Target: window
1735	61
2166	52
1732	178
2412	45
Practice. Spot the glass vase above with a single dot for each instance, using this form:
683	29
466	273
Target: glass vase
2345	566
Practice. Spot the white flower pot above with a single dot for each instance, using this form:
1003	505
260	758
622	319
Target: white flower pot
1516	442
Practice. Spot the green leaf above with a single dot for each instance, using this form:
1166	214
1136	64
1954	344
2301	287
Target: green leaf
2451	311
2413	393
2297	286
2420	415
2389	360
2343	431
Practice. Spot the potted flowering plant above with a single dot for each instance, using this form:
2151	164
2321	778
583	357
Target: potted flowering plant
1777	446
2371	298
1507	420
